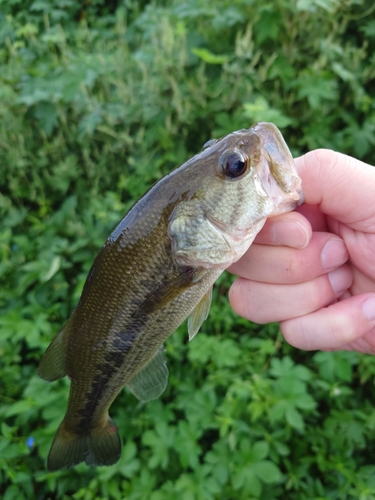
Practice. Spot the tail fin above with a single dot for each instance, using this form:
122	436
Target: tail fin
100	447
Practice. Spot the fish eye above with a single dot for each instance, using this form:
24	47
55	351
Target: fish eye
233	164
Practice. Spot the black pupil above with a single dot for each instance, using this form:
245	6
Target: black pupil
234	166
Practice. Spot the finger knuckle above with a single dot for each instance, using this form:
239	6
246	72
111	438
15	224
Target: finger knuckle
295	268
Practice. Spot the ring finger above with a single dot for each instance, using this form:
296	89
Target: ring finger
263	302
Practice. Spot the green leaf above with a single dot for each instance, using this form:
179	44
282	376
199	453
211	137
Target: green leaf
185	443
369	29
277	411
312	5
305	402
45	113
20	407
54	267
246	479
267	471
160	441
260	110
258	451
293	417
268	26
282	367
208	57
317	88
89	122
13	493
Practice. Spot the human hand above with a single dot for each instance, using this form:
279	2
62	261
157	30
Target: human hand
313	270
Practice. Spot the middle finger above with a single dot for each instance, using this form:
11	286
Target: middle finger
286	265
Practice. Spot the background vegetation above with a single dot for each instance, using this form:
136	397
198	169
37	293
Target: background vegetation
98	100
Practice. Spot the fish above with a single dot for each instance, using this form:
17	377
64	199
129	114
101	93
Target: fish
156	269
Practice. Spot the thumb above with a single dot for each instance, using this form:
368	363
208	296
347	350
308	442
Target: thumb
341	186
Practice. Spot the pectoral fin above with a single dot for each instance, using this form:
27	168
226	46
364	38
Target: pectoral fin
199	314
152	380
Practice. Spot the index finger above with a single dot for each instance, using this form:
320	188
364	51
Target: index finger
341	186
291	229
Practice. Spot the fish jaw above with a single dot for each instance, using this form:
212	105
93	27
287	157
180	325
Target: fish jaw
277	171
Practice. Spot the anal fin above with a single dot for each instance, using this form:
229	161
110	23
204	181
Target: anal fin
52	364
199	314
151	381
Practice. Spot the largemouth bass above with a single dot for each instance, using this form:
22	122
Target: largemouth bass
156	269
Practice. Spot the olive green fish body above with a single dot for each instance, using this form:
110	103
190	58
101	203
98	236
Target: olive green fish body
157	268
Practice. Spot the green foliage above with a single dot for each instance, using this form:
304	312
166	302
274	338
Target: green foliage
99	100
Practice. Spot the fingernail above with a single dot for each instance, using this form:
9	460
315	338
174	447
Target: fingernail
291	234
340	279
334	253
368	308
